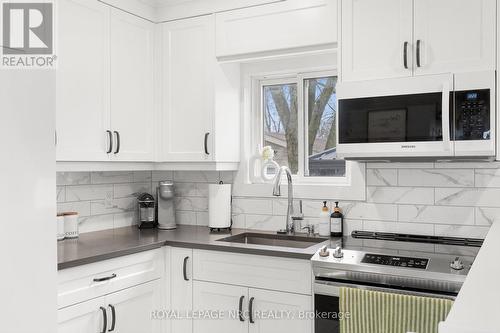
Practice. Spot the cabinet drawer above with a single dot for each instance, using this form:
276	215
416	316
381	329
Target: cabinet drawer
282	274
93	280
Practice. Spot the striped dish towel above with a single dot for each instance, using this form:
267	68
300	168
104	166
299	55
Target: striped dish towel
366	311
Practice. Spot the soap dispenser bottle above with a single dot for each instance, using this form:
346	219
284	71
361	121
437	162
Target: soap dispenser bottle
324	221
336	222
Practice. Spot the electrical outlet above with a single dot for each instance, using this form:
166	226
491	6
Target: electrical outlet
108	200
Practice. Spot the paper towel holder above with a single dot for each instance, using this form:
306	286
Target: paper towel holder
217	197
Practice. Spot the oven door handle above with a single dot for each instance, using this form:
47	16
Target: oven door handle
445	118
327	288
332	288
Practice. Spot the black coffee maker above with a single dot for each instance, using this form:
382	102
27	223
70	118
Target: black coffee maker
147	206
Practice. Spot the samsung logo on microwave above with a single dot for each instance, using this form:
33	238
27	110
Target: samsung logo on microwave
408	146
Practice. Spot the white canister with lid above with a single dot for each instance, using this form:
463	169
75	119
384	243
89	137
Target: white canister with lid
71	225
60	227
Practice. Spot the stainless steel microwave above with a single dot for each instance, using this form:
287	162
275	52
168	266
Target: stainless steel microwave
446	116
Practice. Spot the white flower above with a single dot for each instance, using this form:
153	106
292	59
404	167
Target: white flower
267	153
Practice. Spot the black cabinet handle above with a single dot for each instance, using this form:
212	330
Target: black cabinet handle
405	55
206	143
184	269
113	318
240	308
117	142
106	278
250	311
110	141
418	53
104	319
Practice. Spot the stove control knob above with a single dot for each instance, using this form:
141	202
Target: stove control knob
337	253
324	252
457	264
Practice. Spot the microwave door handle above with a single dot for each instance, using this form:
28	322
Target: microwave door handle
446	115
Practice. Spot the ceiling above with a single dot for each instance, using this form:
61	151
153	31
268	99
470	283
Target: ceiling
162	3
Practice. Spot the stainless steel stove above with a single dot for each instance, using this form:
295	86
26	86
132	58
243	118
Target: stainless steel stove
397	263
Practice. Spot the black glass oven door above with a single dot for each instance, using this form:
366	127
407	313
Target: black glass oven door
326	314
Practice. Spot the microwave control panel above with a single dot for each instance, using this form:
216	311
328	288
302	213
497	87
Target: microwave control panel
472	115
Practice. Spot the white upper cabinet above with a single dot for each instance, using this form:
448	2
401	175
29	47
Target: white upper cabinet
132	91
454	35
82	81
105	86
398	38
287	26
187	122
200	107
374	37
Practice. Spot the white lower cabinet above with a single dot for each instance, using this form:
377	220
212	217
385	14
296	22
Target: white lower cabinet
181	288
273	293
126	311
85	317
133	306
279	312
237	294
262	311
115	295
216	299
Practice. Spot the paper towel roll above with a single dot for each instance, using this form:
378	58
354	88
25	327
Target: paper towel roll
219	205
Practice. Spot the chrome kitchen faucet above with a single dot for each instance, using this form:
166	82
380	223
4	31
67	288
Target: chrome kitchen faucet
289	228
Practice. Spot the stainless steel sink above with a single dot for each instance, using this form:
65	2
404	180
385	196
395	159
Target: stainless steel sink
293	241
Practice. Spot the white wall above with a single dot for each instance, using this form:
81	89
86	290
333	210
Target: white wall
28	229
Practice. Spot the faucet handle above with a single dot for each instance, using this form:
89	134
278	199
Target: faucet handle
310	229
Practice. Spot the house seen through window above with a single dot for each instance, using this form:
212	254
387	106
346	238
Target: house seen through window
303	129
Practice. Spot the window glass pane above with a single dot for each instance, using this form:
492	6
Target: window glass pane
321	107
281	124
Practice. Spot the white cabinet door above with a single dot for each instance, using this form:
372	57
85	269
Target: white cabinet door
132	105
133	307
181	288
188	59
222	299
374	35
82	81
286	308
454	35
85	317
286	25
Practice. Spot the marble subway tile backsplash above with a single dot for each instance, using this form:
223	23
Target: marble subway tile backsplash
106	200
450	199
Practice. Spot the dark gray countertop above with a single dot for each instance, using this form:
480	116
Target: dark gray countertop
101	245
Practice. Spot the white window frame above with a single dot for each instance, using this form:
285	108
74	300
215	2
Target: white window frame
350	187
